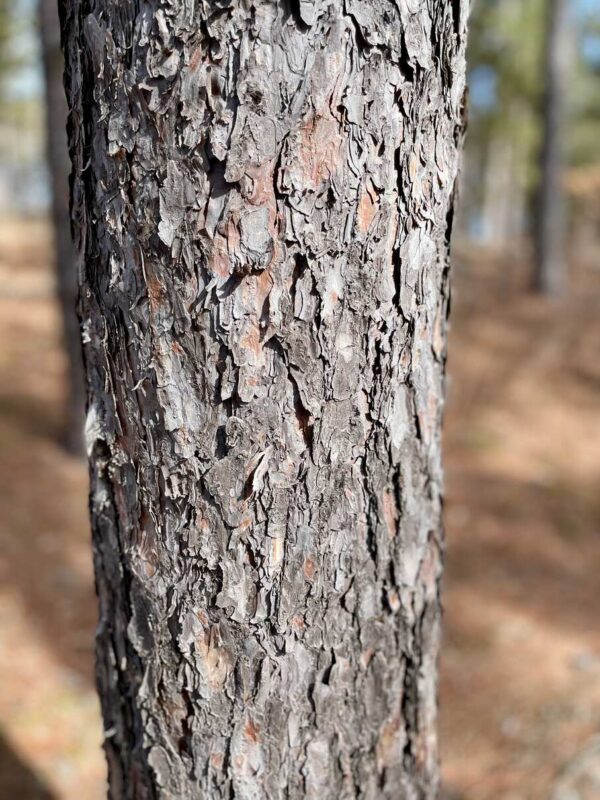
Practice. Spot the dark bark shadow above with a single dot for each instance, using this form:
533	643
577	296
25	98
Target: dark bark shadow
17	780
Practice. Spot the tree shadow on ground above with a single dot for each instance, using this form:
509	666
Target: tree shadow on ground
45	549
533	545
17	780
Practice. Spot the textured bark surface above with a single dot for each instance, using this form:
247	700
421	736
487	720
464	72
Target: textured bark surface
262	200
64	253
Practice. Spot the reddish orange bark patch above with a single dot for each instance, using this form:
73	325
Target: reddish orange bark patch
251	731
367	208
390	512
298	622
202	617
196	58
156	292
309	568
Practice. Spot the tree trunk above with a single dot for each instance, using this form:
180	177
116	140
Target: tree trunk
498	197
550	268
64	253
262	199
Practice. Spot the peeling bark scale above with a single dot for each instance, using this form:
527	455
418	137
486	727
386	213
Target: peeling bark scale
262	201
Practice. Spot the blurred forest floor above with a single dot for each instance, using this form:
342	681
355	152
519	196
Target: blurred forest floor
520	688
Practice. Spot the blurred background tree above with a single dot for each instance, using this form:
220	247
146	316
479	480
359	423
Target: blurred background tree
34	161
550	257
508	75
583	137
59	168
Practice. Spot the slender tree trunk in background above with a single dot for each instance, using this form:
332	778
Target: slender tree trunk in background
498	188
263	201
64	252
551	267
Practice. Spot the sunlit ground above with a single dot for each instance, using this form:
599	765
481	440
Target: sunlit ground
521	664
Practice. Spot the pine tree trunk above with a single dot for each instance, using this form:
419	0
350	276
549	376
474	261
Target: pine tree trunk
550	269
64	253
263	200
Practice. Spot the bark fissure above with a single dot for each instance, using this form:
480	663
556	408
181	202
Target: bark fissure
261	198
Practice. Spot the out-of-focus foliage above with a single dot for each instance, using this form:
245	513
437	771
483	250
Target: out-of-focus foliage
23	186
584	140
20	83
506	41
506	80
17	19
5	28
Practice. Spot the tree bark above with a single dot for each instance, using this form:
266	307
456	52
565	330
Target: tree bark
64	253
262	197
550	268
